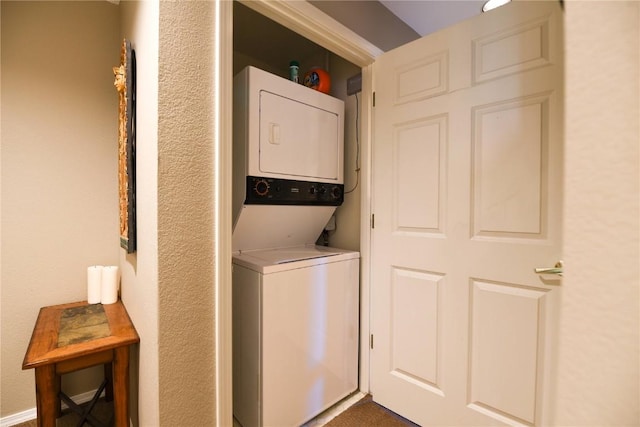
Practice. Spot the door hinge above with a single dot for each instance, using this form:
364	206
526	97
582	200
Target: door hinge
371	341
374	99
373	220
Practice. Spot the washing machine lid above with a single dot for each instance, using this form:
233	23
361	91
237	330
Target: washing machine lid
286	255
281	259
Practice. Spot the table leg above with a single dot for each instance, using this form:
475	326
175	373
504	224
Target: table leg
56	389
46	396
121	386
108	375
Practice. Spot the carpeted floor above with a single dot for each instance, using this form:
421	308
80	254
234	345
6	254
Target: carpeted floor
363	413
368	413
103	411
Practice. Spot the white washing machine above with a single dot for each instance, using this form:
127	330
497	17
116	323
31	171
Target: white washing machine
295	333
295	305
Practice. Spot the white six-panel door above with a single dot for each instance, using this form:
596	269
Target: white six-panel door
467	157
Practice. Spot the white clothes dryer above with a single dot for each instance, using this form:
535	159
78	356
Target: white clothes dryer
288	161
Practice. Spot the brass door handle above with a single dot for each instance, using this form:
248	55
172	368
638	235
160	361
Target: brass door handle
557	269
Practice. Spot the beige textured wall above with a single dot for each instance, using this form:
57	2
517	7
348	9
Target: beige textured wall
347	232
598	366
139	23
59	156
185	214
59	170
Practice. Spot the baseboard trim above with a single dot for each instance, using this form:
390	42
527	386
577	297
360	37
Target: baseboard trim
32	414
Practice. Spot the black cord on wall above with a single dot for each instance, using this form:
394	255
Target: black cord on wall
357	170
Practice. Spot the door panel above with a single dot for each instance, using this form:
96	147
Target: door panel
467	197
414	301
507	195
424	78
419	169
513	50
505	327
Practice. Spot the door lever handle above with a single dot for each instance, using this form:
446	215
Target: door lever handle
557	269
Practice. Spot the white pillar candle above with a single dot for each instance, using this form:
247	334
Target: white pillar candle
94	281
110	281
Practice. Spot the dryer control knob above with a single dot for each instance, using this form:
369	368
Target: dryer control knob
336	192
261	187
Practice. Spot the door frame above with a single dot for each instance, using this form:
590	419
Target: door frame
307	21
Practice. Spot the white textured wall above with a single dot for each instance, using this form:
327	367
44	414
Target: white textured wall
186	176
598	364
139	23
59	170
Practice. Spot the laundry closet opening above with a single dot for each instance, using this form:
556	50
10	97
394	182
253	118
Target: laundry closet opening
296	225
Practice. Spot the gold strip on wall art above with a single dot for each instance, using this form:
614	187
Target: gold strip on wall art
125	84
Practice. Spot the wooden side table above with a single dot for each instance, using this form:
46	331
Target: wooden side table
52	357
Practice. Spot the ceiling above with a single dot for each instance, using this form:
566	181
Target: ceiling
388	24
428	16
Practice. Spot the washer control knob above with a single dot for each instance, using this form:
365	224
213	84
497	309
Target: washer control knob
261	187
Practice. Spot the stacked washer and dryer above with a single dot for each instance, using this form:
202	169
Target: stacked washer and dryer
295	304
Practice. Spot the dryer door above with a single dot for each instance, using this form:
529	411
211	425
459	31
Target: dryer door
298	140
